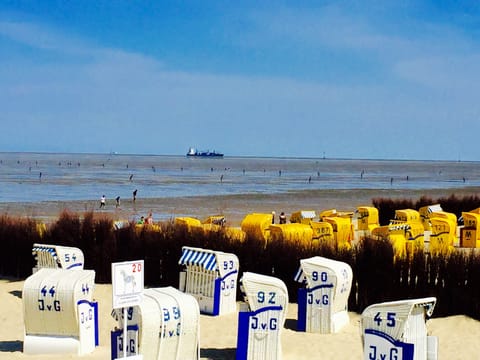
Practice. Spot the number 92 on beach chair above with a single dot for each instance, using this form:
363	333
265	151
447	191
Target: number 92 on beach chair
261	322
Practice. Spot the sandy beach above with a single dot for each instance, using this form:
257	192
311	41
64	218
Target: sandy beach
458	335
233	207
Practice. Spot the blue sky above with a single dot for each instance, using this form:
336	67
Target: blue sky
344	79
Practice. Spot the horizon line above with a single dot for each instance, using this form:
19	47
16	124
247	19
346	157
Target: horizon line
323	158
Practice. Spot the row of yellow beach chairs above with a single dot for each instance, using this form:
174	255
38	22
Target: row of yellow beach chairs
333	228
430	229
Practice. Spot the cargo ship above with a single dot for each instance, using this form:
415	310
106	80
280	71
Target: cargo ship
196	153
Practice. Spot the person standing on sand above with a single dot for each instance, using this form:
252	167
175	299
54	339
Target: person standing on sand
117	199
149	219
134	195
103	201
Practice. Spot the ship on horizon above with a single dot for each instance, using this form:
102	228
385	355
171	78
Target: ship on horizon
196	153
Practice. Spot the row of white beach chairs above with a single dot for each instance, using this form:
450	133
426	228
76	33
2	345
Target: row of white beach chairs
67	313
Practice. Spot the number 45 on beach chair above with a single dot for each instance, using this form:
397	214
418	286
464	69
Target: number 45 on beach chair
397	330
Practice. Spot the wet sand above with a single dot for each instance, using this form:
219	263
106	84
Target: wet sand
233	207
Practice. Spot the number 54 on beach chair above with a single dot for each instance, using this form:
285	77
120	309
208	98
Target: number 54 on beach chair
57	257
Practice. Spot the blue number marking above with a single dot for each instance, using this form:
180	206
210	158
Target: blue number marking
323	276
166	314
228	265
261	297
391	319
176	313
272	297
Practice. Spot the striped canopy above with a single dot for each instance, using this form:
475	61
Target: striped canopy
45	256
50	250
191	256
399	227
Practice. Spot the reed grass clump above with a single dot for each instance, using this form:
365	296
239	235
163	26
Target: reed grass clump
17	236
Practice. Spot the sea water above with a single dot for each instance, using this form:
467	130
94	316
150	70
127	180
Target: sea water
34	177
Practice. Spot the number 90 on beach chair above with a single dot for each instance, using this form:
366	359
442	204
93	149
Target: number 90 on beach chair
397	330
211	277
261	322
322	304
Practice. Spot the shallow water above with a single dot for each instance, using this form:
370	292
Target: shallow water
35	177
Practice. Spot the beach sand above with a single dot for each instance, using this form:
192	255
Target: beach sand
458	335
233	207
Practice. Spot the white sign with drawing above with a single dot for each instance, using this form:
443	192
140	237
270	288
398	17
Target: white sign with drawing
127	283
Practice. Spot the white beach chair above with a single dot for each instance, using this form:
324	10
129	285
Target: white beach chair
167	323
59	313
399	328
57	257
211	277
323	303
259	328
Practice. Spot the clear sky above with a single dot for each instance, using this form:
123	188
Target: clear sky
344	79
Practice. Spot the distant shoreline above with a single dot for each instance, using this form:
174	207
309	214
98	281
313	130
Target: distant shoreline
233	156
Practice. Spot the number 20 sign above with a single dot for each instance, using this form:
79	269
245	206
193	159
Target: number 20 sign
127	283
